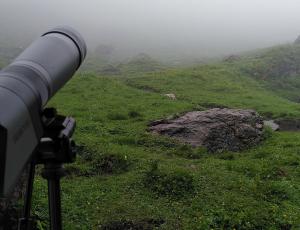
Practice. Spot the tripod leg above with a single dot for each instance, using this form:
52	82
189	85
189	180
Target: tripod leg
27	222
53	173
54	204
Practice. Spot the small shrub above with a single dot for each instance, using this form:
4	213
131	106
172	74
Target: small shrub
267	133
116	131
227	156
268	115
134	114
261	154
201	150
245	169
293	163
145	224
152	141
117	116
213	105
126	140
176	184
76	169
110	163
85	152
283	115
190	152
274	173
275	192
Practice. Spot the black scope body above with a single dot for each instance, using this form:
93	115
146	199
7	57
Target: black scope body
26	85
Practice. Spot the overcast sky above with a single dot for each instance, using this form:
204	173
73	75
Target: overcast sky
165	28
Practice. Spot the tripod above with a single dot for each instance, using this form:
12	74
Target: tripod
55	149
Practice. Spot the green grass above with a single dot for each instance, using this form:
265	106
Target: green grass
216	85
277	68
190	189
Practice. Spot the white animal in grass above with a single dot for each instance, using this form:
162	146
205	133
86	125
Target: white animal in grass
171	96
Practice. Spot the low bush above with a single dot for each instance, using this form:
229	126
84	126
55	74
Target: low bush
117	116
176	184
110	163
134	114
145	224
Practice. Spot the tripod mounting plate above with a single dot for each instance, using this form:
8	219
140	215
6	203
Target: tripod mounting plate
57	145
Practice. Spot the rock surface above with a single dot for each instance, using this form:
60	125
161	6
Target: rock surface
216	129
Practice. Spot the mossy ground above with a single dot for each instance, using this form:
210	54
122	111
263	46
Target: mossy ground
255	189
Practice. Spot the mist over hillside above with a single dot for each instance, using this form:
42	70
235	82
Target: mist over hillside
168	29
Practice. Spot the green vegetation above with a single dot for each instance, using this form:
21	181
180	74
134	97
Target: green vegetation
142	63
277	68
126	178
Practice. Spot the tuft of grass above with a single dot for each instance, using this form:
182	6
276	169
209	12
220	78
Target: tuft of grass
134	114
110	163
177	184
144	224
117	116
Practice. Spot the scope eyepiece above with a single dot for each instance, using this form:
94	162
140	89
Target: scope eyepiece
74	36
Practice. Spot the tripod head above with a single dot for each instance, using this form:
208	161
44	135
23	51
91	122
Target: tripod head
55	149
56	145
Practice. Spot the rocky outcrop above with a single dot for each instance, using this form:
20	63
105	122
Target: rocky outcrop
297	41
216	129
232	58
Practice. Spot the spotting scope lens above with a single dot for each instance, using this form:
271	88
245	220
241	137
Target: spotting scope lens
26	85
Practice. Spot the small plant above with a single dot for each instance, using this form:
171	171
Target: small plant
110	163
144	224
274	173
85	152
134	114
190	152
77	169
117	116
275	192
176	184
267	133
227	156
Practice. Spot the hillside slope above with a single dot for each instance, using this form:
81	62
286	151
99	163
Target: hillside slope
126	178
277	68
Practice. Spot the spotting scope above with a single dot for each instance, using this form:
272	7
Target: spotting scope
26	85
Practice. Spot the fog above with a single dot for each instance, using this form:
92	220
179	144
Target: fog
162	28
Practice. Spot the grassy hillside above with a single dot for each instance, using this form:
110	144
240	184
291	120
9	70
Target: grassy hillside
126	178
141	63
277	68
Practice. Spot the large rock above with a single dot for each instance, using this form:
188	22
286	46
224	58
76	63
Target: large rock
216	129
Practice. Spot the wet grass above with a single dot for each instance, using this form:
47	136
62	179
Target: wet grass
114	183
